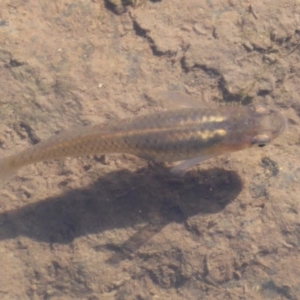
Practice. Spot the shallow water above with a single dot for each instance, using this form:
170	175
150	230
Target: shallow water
118	227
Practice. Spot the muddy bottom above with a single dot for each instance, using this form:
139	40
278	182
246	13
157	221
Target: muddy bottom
116	226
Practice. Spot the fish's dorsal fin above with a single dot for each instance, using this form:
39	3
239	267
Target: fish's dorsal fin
169	100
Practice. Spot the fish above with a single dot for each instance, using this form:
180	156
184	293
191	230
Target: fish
187	135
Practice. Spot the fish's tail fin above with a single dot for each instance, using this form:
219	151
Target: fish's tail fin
8	168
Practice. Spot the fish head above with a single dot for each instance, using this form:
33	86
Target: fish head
268	124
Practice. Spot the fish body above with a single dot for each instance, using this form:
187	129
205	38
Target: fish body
192	134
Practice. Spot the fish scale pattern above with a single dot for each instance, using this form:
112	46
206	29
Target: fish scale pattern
165	136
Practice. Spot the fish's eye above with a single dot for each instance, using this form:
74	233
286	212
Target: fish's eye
261	140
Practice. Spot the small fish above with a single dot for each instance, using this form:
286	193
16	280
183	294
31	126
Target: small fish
190	134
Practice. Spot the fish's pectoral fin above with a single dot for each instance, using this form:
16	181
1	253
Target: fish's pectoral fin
183	167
